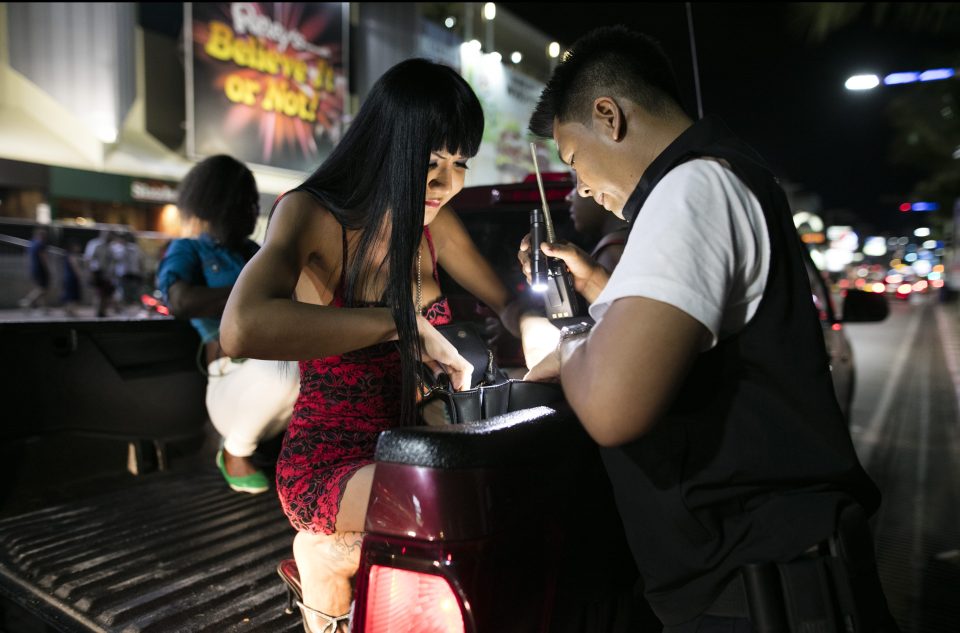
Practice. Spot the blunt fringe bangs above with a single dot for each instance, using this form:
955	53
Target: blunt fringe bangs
609	61
375	179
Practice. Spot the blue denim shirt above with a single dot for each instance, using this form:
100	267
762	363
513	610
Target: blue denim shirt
202	262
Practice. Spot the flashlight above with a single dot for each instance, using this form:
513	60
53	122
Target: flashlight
549	275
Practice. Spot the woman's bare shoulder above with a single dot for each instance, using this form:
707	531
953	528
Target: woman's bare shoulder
298	214
300	206
447	228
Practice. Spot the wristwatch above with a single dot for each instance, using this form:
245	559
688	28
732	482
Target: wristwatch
571	337
568	332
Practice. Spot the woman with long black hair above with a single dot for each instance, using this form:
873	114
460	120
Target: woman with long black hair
357	247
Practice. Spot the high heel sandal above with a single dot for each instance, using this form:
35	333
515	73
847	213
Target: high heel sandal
332	624
288	572
290	575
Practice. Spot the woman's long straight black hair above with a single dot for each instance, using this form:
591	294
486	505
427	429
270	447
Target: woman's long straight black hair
375	181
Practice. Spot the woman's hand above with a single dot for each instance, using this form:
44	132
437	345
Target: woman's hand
441	356
589	277
512	315
492	331
539	338
546	370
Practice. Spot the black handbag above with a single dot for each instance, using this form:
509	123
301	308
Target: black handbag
492	393
487	401
469	341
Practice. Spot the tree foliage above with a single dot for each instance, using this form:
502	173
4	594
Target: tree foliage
821	19
925	117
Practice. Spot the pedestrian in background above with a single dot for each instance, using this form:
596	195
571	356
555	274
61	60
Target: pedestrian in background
129	269
72	274
39	271
99	262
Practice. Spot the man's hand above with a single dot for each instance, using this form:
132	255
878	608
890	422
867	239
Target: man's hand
547	370
589	277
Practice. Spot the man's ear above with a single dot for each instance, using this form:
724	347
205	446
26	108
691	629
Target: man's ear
608	118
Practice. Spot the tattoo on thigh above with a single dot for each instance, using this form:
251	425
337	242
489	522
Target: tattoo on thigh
346	545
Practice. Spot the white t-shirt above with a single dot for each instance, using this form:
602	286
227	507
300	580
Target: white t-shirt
700	244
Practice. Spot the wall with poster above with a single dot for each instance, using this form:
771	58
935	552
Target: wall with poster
508	98
266	82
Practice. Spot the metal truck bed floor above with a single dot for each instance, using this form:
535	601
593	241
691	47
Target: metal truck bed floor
175	552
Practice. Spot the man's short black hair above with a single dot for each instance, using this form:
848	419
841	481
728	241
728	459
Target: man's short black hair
609	61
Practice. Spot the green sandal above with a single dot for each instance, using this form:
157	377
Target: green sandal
253	484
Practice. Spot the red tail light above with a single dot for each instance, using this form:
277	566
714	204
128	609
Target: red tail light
401	601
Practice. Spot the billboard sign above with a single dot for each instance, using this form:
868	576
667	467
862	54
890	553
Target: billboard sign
266	81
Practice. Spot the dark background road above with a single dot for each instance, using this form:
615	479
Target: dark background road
906	429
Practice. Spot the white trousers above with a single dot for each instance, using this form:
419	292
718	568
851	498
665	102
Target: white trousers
251	401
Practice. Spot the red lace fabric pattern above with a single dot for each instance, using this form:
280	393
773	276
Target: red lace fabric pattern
345	402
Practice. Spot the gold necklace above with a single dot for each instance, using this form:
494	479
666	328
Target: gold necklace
419	281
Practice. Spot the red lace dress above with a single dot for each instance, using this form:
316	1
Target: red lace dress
344	403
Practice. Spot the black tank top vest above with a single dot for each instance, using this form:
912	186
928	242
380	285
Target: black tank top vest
754	459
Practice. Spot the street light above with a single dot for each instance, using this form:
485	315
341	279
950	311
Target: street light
489	13
869	82
862	82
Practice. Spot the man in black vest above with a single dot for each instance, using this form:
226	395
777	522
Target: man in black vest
705	380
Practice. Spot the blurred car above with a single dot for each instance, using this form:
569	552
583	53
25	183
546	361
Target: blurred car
858	307
905	284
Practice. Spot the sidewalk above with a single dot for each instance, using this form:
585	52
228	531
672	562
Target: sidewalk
948	325
79	313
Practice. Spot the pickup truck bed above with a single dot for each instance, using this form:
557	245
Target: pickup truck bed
171	552
85	545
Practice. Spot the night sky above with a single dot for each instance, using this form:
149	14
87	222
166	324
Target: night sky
782	92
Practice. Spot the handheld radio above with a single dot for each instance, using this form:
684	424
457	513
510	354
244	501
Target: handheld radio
549	275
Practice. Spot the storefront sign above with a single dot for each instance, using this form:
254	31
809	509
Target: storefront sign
266	82
508	98
152	191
